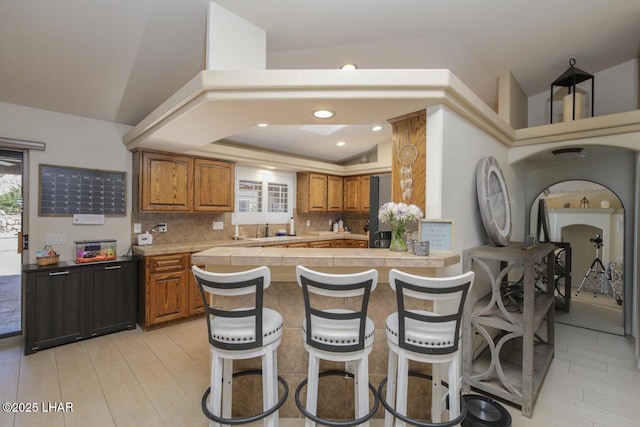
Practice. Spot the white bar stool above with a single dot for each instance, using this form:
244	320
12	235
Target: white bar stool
337	334
240	333
427	337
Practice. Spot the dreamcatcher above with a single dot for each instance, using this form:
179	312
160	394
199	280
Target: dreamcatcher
407	154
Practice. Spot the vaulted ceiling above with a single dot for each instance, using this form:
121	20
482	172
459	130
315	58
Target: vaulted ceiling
118	60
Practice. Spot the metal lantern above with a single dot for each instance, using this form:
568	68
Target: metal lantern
584	203
570	79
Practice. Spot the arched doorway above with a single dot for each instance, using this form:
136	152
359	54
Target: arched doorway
582	213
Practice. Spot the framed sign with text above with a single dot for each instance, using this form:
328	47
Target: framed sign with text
439	233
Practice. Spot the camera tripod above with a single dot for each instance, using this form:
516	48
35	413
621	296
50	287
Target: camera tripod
595	275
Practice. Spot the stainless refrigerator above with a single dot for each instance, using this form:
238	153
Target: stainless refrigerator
380	193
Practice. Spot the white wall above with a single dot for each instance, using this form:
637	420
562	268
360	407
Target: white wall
615	91
454	148
70	141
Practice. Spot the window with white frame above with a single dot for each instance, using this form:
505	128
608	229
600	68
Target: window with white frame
263	196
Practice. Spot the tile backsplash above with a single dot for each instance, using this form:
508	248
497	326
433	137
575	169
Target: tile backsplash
198	227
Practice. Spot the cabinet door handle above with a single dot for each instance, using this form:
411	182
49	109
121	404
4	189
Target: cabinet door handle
113	267
59	273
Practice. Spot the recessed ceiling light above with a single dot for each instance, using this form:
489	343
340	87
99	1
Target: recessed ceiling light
263	125
324	114
349	67
376	128
341	143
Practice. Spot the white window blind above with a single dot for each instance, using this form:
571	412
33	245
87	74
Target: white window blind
263	196
249	196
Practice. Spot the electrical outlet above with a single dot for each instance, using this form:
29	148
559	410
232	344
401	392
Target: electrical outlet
308	223
218	225
162	227
54	239
137	227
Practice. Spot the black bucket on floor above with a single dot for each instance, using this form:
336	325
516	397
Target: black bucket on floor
484	412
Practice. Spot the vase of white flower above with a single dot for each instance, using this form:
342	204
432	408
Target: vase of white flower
399	215
397	238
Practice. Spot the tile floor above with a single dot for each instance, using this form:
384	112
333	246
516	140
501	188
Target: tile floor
600	312
10	306
136	378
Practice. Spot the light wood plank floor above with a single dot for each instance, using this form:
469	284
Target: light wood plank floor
156	378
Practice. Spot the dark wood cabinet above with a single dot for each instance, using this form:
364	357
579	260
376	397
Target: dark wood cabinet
68	302
111	298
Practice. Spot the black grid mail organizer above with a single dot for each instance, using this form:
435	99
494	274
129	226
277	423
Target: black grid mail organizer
65	191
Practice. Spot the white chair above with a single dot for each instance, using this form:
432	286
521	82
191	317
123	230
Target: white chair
240	333
426	336
337	334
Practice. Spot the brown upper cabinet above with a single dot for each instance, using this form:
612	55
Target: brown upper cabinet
169	182
351	194
356	193
165	182
365	190
214	186
334	193
317	192
311	193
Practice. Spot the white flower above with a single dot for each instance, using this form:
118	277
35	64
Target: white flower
399	213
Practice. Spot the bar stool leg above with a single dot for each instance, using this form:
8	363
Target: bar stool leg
361	388
392	378
454	387
269	387
215	398
436	393
312	388
227	387
403	387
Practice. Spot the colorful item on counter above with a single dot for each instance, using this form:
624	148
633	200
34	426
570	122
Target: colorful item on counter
47	256
95	251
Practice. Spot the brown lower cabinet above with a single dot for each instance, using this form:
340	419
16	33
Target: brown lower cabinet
68	302
322	244
167	291
350	243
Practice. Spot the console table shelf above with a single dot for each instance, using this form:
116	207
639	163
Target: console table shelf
517	351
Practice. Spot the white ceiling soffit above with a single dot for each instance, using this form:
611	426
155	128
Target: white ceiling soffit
217	104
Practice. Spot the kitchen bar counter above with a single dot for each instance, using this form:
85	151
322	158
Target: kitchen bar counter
322	257
173	248
284	295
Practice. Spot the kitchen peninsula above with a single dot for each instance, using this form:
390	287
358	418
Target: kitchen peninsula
285	296
282	261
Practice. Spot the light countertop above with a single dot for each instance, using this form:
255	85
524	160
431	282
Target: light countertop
322	257
184	247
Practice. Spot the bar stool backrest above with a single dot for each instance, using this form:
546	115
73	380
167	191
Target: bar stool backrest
336	287
234	285
435	331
